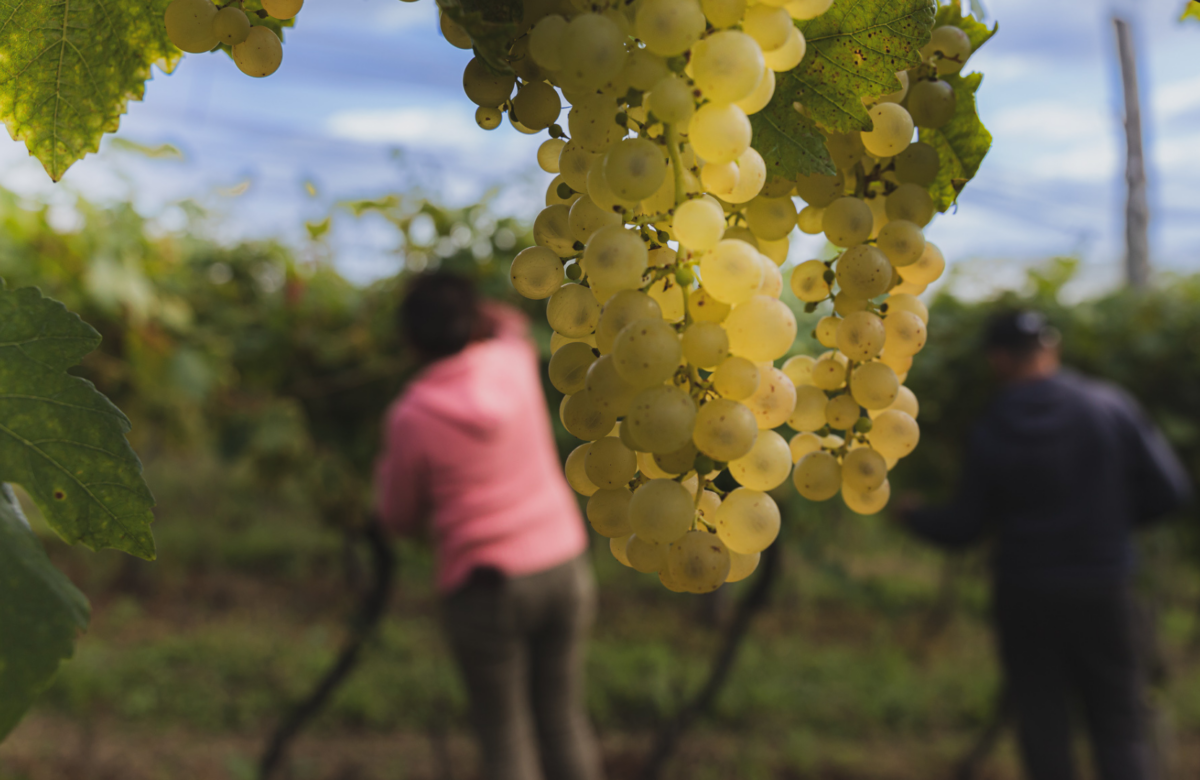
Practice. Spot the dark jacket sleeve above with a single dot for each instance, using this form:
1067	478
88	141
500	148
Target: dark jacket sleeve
964	520
1159	483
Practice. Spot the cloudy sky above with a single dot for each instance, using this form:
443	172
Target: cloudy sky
368	101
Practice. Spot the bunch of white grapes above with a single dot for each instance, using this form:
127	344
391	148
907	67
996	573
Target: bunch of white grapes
198	26
659	252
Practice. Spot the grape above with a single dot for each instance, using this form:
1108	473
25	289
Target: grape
699	223
719	179
808	281
615	258
807	9
766	466
609	464
558	341
767	25
809	220
820	189
829	374
719	132
761	329
573	311
643	70
574	162
649	467
669	27
847	222
454	34
771	218
669	296
585	218
707	507
607	388
635	168
897	96
760	98
863	469
485	87
874	385
705	344
905	333
948	49
932	103
678	462
723	13
789	54
902	242
552	229
927	269
699	562
772	283
864	272
231	26
668	580
748	520
736	378
918	164
868	502
817	476
489	119
189	25
809	412
647	352
282	9
576	477
523	63
568	367
799	369
726	67
774	400
725	430
705	308
861	335
892	130
894	434
536	272
752	174
775	251
802	444
906	401
608	512
897	362
671	101
910	202
845	149
545	41
910	303
601	193
645	556
618	546
591	52
537	105
731	272
827	330
260	54
620	310
845	304
584	418
842	412
741	566
593	125
662	418
661	511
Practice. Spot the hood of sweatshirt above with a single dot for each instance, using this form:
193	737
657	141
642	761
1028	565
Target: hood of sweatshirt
470	390
1038	409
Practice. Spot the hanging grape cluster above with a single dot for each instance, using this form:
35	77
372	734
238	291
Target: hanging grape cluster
659	254
198	26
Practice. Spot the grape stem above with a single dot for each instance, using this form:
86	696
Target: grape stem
676	163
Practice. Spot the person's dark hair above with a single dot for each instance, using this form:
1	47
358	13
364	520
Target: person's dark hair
441	313
1020	332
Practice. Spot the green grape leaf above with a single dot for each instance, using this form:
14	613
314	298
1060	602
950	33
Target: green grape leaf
69	69
61	439
789	142
1191	11
854	51
492	25
951	14
961	144
41	612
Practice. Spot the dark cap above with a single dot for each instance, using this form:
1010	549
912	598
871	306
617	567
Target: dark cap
1019	331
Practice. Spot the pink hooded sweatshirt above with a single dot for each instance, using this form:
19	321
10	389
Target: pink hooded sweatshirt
468	450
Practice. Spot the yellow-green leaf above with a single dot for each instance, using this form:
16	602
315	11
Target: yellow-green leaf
789	142
961	144
951	14
1191	11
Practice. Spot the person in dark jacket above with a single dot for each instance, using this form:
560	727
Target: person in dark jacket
1059	471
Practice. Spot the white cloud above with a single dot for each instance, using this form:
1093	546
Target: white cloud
440	126
1053	121
1175	99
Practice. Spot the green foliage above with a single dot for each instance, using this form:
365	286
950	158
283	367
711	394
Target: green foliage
40	614
59	438
70	68
854	51
961	143
492	25
1191	11
789	142
977	32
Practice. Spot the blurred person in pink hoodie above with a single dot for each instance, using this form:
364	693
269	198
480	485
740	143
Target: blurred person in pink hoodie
469	458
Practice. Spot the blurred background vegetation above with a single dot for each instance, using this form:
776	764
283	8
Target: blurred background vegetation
256	377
